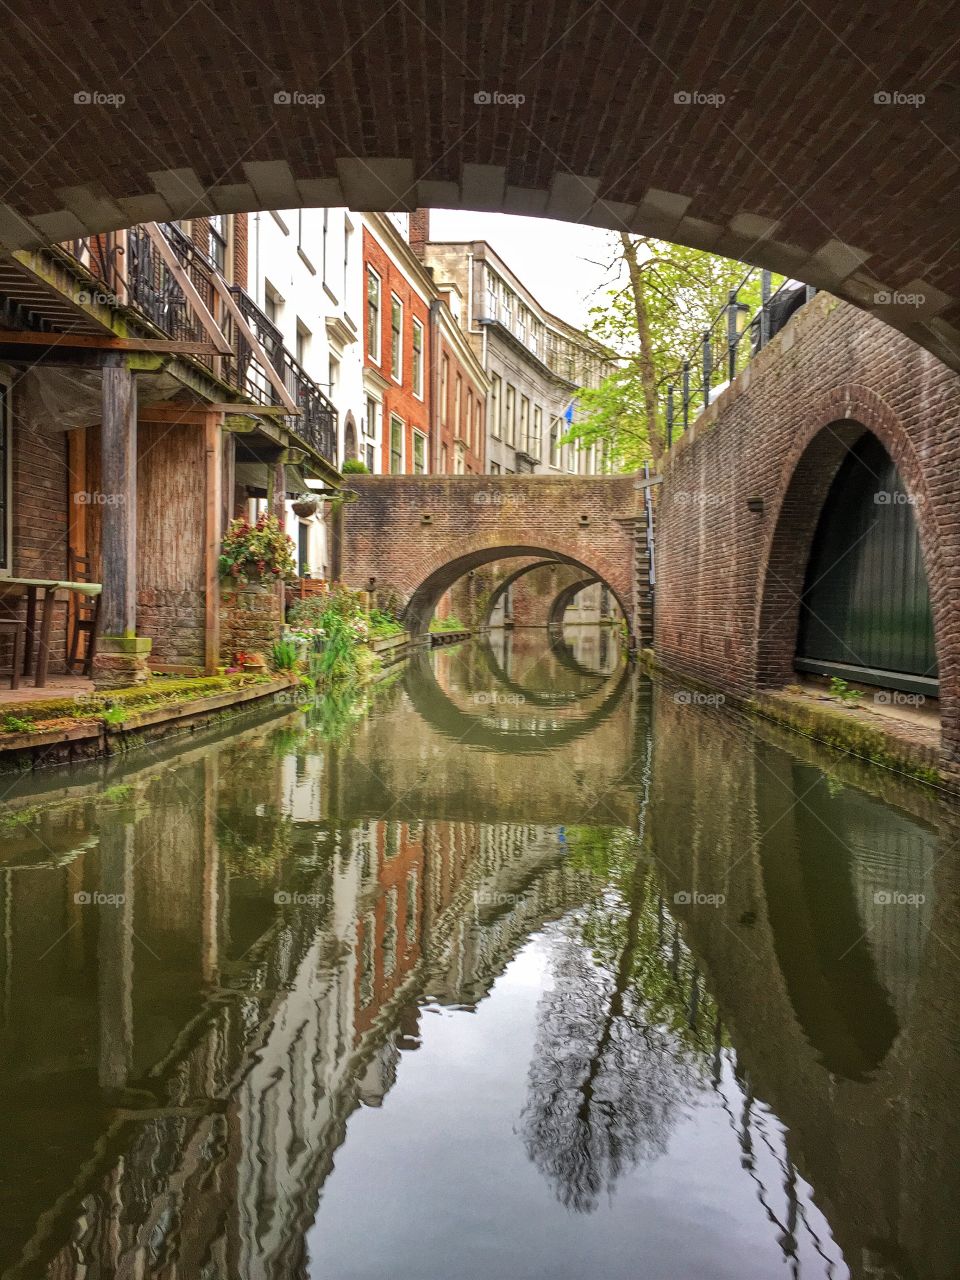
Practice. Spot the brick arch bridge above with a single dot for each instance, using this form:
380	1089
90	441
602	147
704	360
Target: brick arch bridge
744	488
273	104
536	588
410	538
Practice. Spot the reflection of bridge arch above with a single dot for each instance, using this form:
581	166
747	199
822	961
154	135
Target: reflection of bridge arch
563	654
439	711
419	608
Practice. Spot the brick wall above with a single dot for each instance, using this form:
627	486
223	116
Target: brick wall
729	578
475	520
250	620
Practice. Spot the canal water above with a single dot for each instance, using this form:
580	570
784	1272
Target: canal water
515	965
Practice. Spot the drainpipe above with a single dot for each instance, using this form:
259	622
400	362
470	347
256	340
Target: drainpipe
435	381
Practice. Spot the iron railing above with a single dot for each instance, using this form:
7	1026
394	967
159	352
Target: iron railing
724	348
133	273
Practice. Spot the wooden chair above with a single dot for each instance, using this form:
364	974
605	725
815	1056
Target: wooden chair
86	613
17	630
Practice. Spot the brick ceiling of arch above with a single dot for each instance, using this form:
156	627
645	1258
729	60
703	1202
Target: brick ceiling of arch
817	138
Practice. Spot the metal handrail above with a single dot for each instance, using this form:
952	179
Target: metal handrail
721	354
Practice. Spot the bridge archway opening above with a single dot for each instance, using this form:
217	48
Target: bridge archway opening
425	598
846	589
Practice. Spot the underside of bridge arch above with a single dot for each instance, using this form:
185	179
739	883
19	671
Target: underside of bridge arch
565	599
423	601
274	104
527	595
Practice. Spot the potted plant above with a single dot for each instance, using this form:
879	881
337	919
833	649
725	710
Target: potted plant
306	505
259	552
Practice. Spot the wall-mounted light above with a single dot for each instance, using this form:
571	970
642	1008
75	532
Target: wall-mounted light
755	504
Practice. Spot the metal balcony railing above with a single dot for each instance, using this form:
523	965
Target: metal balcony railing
133	274
734	337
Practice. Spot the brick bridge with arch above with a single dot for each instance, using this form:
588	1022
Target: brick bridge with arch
409	539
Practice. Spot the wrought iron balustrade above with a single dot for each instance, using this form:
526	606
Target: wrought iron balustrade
727	346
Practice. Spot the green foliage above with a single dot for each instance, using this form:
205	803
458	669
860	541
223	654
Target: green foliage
354	466
18	724
383	624
451	623
283	655
840	689
256	551
654	320
114	715
160	691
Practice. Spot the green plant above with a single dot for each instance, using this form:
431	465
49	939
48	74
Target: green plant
451	623
17	724
383	624
284	655
354	466
256	551
840	689
114	715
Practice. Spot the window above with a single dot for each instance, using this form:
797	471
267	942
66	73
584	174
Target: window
536	440
492	291
396	338
477	428
510	415
303	549
347	241
468	431
495	387
6	476
371	459
458	406
418	359
554	442
303	343
443	459
217	232
525	424
458	461
333	367
419	454
272	303
444	388
522	323
323	245
373	315
507	313
396	445
494	468
373	417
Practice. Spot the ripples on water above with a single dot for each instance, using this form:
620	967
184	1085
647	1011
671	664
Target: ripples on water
511	966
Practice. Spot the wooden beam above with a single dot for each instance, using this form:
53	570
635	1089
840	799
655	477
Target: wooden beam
118	519
213	455
187	285
103	342
260	355
252	410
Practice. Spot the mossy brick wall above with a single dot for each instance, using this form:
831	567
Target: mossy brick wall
729	578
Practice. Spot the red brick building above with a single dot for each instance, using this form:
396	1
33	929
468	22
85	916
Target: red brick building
397	368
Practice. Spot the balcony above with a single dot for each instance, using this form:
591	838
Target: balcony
130	272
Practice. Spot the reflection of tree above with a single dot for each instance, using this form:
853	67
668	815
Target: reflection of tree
617	1053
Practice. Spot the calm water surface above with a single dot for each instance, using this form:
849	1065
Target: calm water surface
517	965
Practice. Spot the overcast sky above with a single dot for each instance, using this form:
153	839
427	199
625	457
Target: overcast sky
557	261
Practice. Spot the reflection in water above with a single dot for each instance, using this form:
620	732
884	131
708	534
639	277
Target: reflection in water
513	967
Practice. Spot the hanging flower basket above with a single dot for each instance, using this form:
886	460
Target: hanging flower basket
259	552
306	505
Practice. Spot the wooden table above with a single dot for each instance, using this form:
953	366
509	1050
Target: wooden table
31	588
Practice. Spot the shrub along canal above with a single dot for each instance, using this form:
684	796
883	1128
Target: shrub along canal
517	964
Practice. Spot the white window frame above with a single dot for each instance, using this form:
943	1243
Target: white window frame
419	435
496	406
395	417
396	373
375	356
417	374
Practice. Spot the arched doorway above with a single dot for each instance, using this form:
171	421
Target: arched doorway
349	438
865	612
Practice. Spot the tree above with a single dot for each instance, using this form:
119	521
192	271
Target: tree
653	320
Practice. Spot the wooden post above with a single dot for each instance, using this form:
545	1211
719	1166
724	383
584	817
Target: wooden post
118	444
77	512
213	449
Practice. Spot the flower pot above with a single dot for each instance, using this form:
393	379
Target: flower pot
306	506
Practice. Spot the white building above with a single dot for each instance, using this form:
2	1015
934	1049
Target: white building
305	271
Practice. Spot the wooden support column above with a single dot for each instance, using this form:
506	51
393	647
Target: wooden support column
121	657
213	452
118	445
